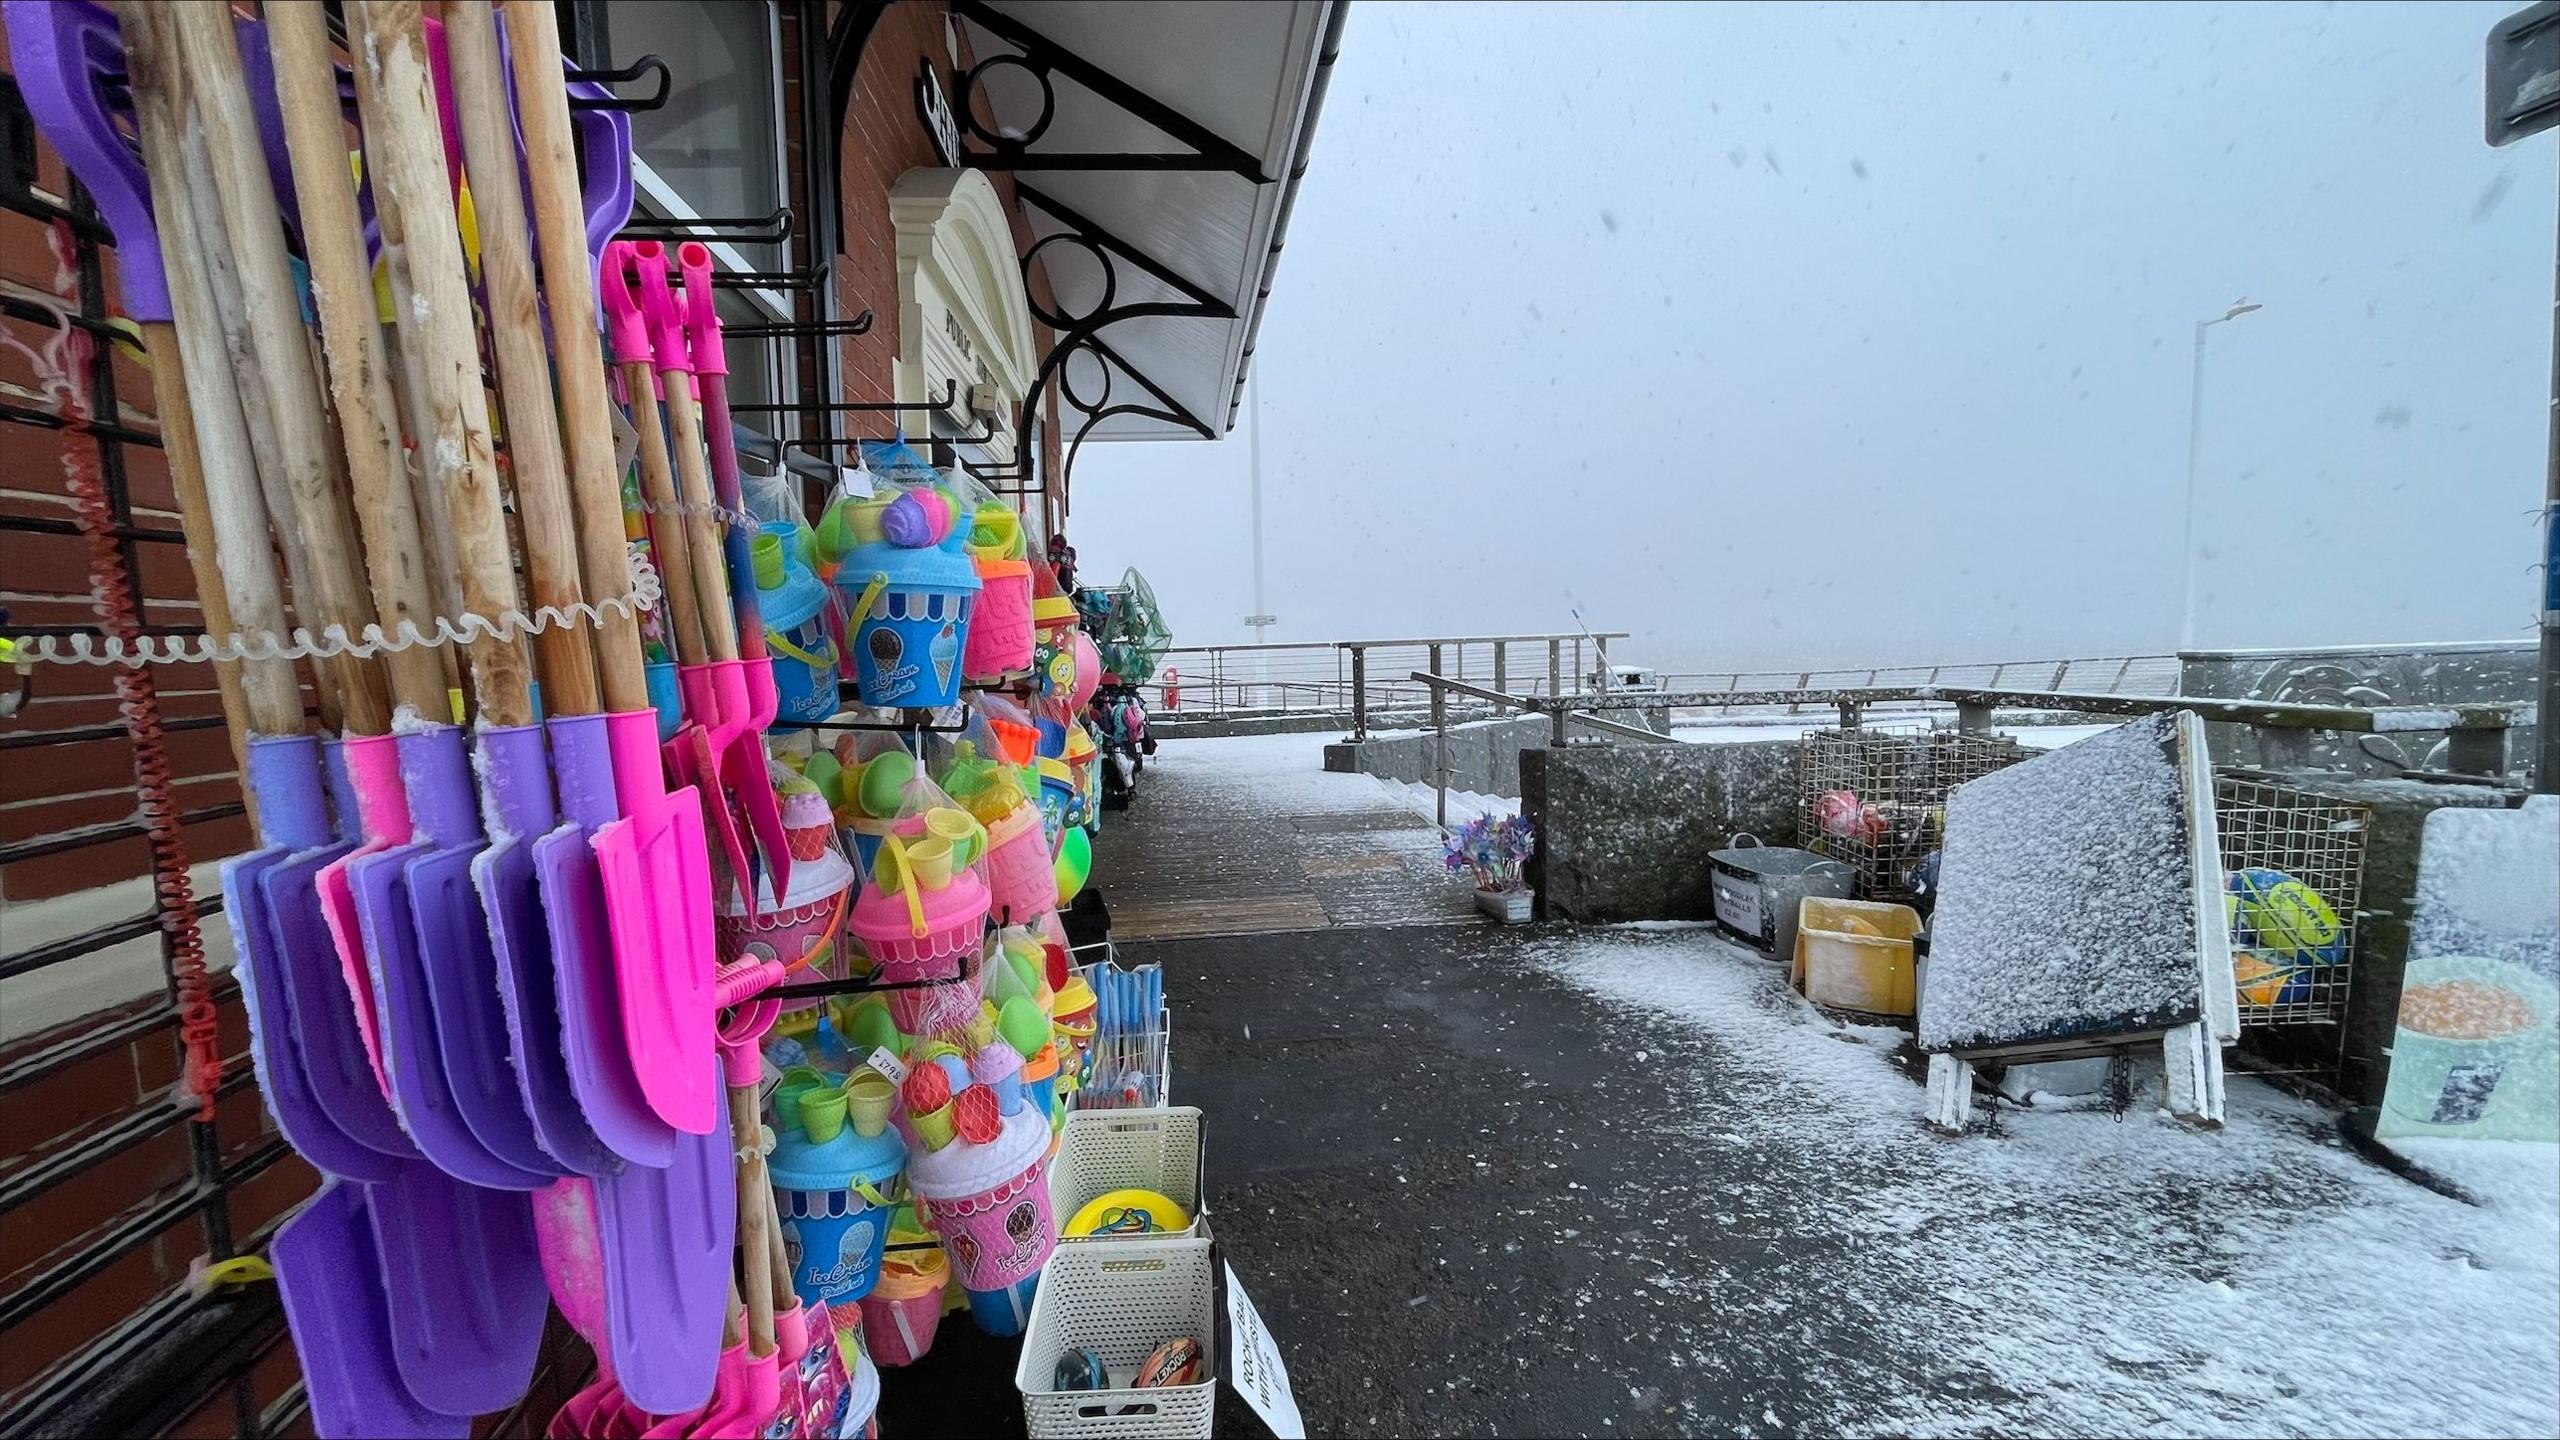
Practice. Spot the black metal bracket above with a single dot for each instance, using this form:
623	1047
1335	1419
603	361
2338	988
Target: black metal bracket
770	229
950	397
801	329
808	277
1044	59
624	76
1082	333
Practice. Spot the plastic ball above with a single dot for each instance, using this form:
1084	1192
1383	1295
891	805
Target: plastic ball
1074	864
1175	1362
977	1116
1080	1370
927	1089
2268	980
2275	914
1088	674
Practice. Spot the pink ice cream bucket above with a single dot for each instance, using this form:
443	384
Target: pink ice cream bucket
1021	874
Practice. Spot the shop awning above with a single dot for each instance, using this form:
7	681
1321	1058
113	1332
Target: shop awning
1157	149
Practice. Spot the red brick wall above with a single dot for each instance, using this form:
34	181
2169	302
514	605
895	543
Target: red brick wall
883	139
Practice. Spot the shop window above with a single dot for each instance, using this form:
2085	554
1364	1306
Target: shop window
715	149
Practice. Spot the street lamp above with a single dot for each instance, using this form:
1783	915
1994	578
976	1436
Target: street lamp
2195	454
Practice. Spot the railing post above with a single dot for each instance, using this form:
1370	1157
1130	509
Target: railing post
1849	711
1501	670
1555	667
1359	693
1973	717
1557	715
1440	744
2283	747
1600	676
2477	751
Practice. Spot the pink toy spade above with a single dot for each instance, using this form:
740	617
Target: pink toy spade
627	881
714	687
689	345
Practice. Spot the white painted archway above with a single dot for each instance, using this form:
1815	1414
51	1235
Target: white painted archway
962	312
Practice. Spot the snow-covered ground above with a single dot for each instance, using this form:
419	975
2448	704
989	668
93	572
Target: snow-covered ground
2080	1273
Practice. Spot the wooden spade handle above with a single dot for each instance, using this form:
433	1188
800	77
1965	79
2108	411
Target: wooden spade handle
524	369
755	1225
336	595
702	525
666	522
413	201
235	524
359	362
595	481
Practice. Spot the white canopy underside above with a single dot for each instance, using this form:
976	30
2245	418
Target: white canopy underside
1242	72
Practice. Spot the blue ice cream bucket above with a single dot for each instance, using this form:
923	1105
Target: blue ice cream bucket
793	602
908	622
834	1195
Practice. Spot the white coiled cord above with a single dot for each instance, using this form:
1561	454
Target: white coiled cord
333	640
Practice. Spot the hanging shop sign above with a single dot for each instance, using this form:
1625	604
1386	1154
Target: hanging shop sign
933	107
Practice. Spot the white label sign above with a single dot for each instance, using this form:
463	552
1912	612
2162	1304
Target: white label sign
1254	1368
887	1064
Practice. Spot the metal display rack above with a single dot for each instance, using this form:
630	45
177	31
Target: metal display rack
1897	779
2320	842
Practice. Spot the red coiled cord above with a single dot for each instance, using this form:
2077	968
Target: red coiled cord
137	698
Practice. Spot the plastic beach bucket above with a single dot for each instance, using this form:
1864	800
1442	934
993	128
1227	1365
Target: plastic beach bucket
1022	877
1000	634
807	920
990	1205
908	623
904	1307
832	1193
794	604
949	950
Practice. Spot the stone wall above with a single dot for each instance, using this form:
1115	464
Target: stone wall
1624	830
2364	675
1484	755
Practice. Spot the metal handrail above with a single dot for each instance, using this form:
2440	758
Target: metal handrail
1441	686
1333	675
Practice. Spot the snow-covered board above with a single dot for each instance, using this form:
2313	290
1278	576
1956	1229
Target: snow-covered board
2475	1052
2081	906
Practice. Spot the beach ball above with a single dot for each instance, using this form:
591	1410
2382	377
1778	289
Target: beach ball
2272	912
1074	864
1088	674
2268	980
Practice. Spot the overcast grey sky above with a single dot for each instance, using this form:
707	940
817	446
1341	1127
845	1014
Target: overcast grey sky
1784	335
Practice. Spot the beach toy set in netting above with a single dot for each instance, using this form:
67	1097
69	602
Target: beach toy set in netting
901	560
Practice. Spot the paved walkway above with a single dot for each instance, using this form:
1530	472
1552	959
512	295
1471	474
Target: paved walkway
1616	1181
1251	836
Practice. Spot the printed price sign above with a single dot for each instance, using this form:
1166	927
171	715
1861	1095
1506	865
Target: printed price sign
1254	1368
887	1064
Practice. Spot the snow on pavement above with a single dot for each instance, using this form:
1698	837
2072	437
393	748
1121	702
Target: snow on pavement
2083	1273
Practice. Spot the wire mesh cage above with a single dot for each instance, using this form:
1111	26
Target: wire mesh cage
1875	797
2295	862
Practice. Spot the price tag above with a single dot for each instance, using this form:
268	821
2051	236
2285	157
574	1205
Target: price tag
1254	1368
887	1064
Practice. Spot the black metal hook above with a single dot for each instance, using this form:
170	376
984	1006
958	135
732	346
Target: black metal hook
793	329
950	397
623	76
770	229
808	278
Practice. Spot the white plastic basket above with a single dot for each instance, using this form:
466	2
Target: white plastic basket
1100	1151
1121	1301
